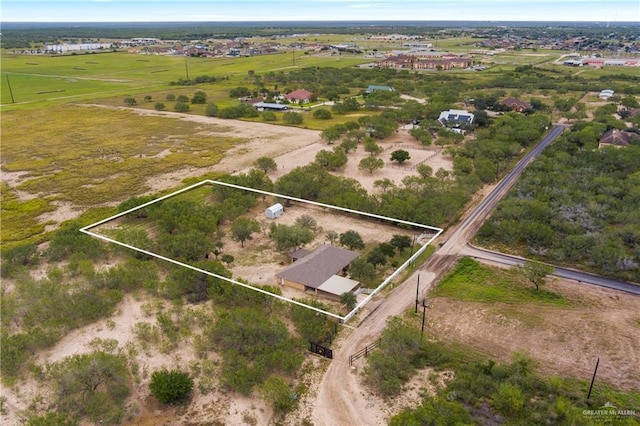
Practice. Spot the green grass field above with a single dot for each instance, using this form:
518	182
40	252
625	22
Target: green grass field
43	80
473	282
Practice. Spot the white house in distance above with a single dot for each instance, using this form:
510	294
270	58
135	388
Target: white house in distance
274	211
456	117
606	94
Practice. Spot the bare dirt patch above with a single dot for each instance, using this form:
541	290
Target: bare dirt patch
64	211
14	179
565	340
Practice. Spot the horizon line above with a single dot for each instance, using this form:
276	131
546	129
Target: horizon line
319	20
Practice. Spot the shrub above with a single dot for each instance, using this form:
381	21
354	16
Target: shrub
57	419
182	98
92	385
130	101
170	97
292	118
269	116
211	110
170	387
275	390
400	156
321	113
181	107
266	164
159	106
17	257
239	92
199	97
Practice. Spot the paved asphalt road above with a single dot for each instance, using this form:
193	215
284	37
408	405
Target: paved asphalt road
505	184
582	277
470	224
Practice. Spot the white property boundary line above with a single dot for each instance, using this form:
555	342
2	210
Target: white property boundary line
438	231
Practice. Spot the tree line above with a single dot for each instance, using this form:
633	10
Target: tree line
575	205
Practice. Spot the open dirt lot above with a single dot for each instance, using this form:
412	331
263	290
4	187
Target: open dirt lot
565	340
292	147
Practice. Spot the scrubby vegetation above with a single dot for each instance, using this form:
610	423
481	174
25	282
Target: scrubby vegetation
576	204
481	389
170	387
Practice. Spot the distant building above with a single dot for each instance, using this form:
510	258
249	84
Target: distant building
517	104
375	88
262	106
456	118
617	138
603	62
573	62
611	62
299	95
418	61
320	272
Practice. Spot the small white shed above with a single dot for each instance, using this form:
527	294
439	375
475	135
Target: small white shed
274	211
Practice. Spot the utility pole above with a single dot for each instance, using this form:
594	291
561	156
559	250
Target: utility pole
593	378
424	314
10	91
417	290
186	68
293	57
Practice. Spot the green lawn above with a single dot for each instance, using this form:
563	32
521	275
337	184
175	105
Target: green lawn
473	282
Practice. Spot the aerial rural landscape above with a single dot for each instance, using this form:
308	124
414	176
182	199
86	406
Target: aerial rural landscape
320	223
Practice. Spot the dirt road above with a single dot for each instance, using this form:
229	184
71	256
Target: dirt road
341	400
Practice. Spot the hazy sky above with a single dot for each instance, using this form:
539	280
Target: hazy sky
318	10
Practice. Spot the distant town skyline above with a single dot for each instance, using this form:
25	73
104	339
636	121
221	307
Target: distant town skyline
318	10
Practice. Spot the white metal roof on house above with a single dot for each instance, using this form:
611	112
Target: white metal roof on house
269	105
338	285
456	115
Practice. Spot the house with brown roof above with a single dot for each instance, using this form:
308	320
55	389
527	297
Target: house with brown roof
321	272
617	138
517	104
299	95
442	63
